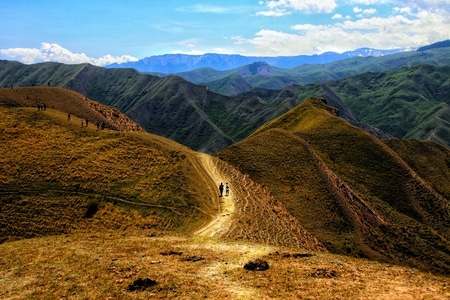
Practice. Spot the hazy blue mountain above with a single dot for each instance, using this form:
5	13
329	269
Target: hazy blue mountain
441	44
262	75
175	63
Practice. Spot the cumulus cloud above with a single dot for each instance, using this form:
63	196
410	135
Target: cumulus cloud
364	12
279	8
54	52
419	4
396	31
402	10
426	4
339	17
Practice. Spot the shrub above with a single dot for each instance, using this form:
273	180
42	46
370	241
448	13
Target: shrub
92	208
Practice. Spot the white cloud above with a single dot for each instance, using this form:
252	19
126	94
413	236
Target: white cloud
190	52
54	52
398	31
361	13
340	17
222	50
368	2
402	10
273	13
369	11
426	4
284	7
418	4
204	8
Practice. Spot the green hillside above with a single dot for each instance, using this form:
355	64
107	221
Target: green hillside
171	106
411	102
276	78
349	189
429	160
408	103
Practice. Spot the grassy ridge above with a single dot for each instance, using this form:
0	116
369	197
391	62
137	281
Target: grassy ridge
69	102
291	175
46	157
369	200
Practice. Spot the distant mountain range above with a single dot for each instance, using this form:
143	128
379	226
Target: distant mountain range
175	63
263	75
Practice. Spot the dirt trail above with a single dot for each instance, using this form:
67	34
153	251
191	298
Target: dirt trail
250	213
222	220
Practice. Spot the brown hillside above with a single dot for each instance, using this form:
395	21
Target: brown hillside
69	102
356	195
54	171
54	174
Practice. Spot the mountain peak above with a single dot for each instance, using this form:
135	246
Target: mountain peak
256	68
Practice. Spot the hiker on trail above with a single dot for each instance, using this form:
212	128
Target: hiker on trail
221	189
82	123
87	122
227	189
68	117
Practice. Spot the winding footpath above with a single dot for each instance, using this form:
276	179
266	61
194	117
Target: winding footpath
226	207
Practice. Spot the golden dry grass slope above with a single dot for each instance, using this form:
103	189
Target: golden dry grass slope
353	192
55	175
86	212
67	101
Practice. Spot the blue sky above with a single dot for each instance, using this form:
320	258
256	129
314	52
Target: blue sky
105	31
